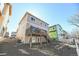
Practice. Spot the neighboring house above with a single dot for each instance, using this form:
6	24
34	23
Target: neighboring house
5	14
57	33
13	35
32	29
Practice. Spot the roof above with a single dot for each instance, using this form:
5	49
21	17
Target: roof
55	25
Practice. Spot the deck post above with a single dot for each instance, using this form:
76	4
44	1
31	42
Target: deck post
40	41
31	41
47	39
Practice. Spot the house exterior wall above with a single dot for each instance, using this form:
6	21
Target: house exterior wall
57	33
25	27
37	22
53	32
60	32
21	29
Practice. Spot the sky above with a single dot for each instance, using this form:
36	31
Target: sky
51	13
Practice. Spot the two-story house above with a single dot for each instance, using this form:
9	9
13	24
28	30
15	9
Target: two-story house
32	29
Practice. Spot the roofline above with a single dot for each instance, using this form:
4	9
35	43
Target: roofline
59	25
22	18
54	25
34	16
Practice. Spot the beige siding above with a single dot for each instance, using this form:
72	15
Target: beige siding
25	24
38	22
21	29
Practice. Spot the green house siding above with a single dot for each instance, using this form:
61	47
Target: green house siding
53	35
56	32
53	32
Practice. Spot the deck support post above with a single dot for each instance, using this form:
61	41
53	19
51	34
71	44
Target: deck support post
41	41
31	41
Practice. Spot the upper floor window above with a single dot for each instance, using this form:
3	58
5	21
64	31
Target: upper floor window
41	24
60	29
45	24
32	19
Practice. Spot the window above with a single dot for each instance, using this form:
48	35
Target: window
32	19
60	29
41	23
45	25
53	28
34	29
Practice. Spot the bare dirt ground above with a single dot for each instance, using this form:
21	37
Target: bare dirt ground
8	47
